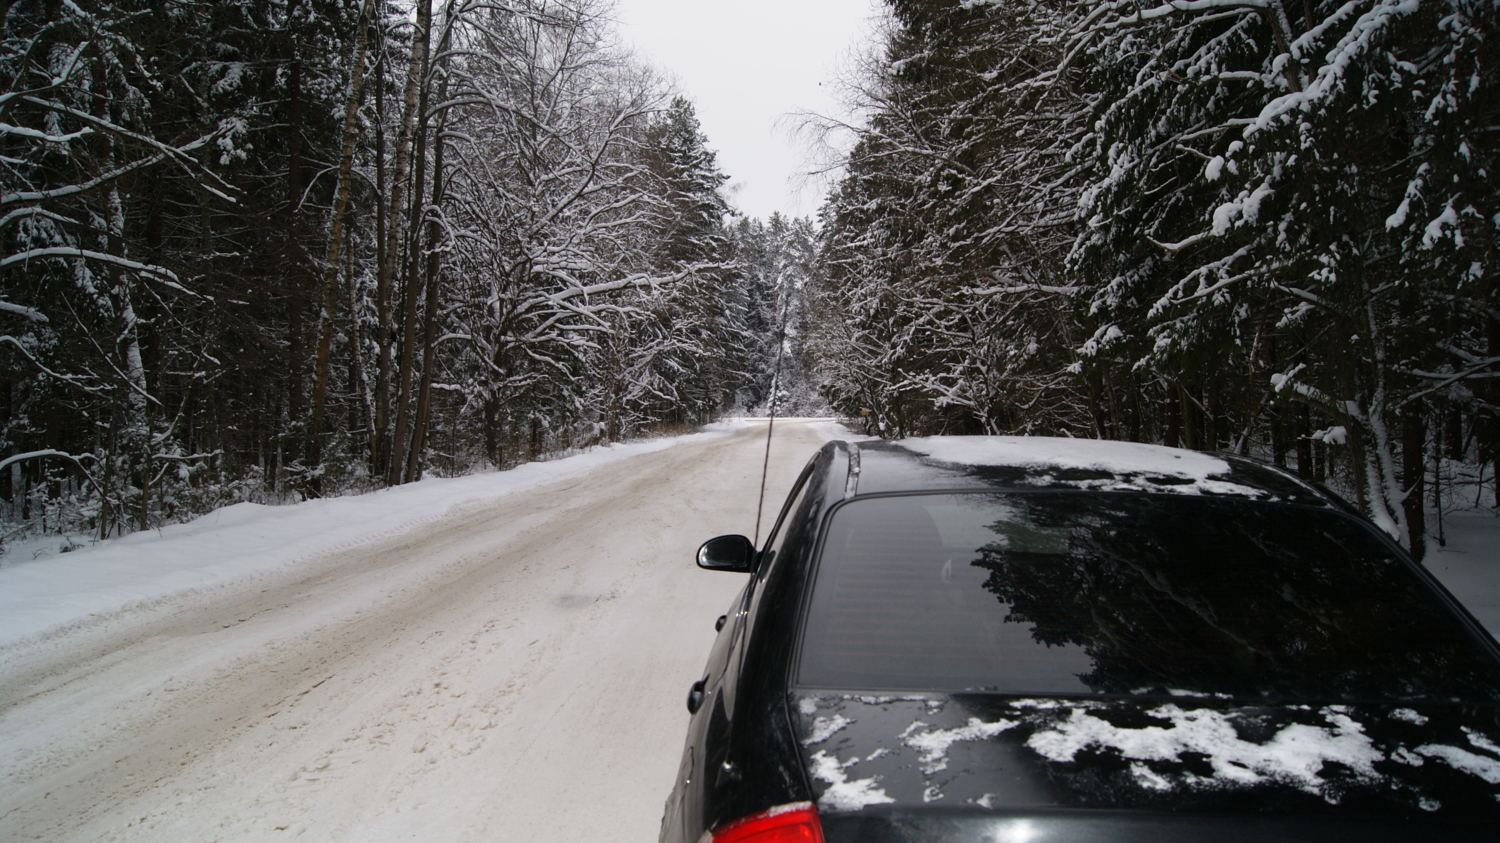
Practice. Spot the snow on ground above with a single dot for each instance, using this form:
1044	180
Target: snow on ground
512	670
41	593
1470	564
446	661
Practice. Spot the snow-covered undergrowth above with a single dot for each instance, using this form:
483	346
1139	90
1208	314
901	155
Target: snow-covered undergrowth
51	584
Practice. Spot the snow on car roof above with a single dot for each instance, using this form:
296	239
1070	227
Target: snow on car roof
1078	463
1096	454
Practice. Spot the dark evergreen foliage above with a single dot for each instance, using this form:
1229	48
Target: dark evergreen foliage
1249	226
525	210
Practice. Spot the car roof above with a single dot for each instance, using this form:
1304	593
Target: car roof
1038	462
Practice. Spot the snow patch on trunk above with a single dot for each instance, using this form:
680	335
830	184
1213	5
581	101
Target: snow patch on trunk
842	793
933	744
1296	754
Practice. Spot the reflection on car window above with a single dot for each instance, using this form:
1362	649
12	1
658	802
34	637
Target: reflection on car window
788	512
1069	593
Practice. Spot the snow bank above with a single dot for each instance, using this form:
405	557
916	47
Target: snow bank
45	595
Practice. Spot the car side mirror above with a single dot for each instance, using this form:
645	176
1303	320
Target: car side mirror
727	553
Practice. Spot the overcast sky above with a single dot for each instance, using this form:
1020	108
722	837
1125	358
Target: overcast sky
744	64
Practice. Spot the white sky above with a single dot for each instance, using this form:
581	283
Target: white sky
745	64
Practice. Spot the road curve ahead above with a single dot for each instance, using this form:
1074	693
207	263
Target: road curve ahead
514	672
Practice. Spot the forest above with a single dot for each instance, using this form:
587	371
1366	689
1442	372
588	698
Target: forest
273	250
1255	226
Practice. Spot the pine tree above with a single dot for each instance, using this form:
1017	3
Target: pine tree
1254	179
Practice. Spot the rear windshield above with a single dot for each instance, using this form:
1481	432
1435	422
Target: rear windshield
1078	593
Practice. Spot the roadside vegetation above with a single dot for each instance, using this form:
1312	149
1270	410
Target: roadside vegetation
272	251
1244	225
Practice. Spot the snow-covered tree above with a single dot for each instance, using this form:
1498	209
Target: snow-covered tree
1229	224
1301	194
776	263
551	202
670	356
944	241
95	146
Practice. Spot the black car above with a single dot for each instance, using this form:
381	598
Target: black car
1025	640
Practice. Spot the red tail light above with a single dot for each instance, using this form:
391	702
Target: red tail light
794	823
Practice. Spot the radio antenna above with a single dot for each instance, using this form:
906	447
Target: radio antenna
765	465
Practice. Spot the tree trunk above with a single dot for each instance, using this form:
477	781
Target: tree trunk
335	237
361	385
1357	466
293	263
1304	443
415	85
1097	407
491	431
379	444
1454	445
430	322
1173	411
397	474
1413	475
398	204
1487	424
1190	438
137	431
1213	431
1278	438
1438	446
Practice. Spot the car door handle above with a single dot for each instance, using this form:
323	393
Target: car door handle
695	697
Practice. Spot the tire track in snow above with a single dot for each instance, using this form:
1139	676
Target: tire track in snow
512	673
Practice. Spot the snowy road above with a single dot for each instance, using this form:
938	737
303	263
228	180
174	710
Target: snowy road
511	673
